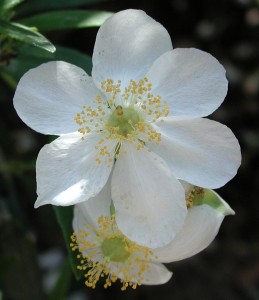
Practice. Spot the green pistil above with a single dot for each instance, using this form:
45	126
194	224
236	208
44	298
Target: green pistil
114	248
123	118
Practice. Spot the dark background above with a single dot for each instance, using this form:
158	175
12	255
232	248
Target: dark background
32	246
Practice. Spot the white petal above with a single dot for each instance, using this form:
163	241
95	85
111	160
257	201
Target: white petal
199	230
67	172
149	201
187	186
191	81
82	224
97	206
158	274
48	97
201	151
126	46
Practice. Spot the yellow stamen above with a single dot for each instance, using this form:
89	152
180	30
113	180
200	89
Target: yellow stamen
103	247
123	115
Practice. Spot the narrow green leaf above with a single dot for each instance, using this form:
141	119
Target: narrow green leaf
34	6
9	4
26	35
65	216
10	81
68	19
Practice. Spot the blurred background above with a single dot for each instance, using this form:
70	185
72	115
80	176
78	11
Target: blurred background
33	261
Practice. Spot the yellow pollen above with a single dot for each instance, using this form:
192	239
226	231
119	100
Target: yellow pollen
104	246
125	114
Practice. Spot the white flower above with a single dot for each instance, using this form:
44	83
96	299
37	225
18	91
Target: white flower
142	108
105	252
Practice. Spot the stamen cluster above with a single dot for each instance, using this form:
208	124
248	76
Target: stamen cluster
105	249
126	115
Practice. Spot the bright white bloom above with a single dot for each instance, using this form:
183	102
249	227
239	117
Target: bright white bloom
105	251
138	115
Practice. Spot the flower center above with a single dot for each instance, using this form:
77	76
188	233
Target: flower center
123	120
105	251
115	248
127	114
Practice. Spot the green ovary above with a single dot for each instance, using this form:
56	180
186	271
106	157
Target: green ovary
123	120
115	249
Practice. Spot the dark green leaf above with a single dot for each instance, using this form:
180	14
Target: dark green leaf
6	15
67	19
26	35
9	4
65	216
10	81
47	5
30	57
21	272
74	57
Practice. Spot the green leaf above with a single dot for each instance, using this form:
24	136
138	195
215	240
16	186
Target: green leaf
65	216
212	199
11	82
9	4
74	57
30	57
33	6
26	35
6	6
68	19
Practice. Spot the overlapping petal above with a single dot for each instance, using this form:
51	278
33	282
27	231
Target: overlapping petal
200	151
67	172
149	201
199	230
157	273
192	82
89	211
126	46
48	97
85	219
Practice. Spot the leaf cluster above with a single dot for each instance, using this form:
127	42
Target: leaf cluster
25	43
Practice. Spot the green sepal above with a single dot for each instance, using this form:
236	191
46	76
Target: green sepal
26	35
67	19
65	216
212	199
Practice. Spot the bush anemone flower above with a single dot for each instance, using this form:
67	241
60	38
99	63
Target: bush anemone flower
105	252
138	117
